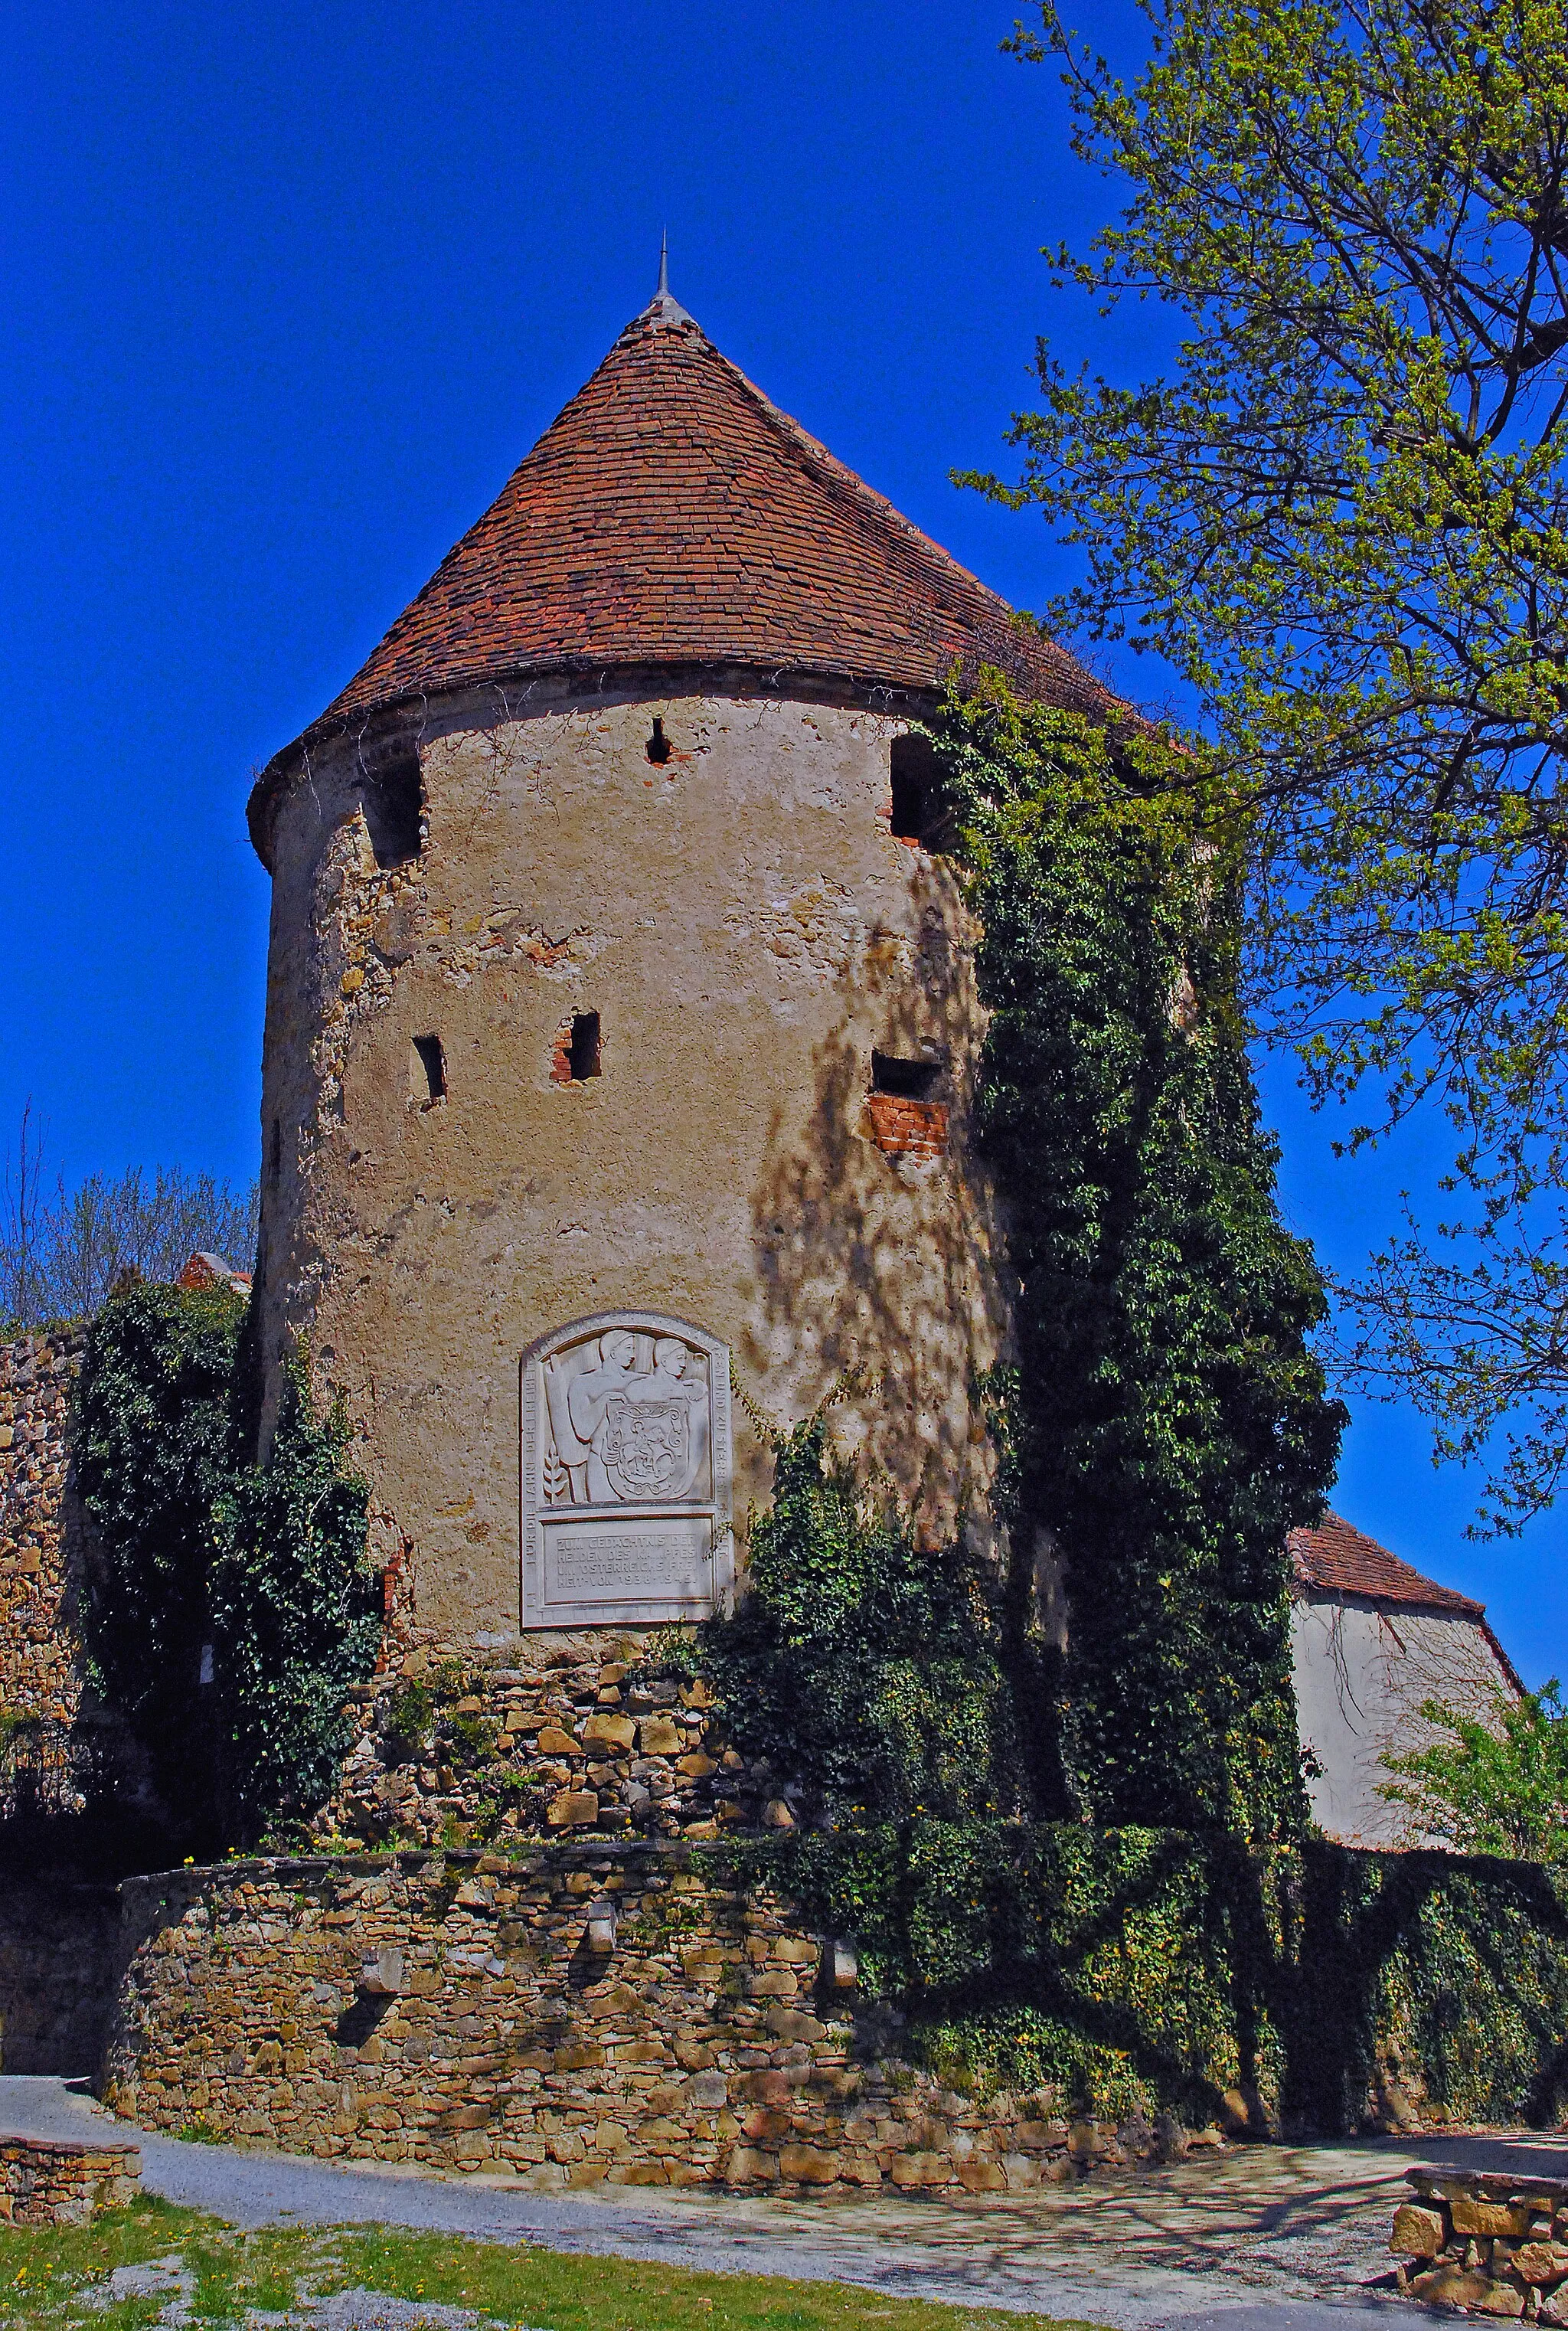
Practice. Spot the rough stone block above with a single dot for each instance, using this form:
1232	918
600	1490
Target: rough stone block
609	1731
789	2023
747	2166
808	2164
573	1809
1538	2262
1471	2215
907	2170
1418	2231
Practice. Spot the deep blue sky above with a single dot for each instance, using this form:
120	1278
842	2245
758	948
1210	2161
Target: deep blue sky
289	292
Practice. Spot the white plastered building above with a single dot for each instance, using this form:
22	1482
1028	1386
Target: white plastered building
1372	1640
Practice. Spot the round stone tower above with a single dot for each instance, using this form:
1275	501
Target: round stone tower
620	1026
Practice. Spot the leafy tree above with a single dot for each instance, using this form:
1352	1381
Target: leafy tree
24	1233
106	1225
1340	513
1497	1785
1169	1419
60	1255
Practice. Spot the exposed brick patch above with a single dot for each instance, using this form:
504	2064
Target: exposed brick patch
909	1128
561	1055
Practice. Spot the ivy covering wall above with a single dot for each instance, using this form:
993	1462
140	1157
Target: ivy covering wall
1305	1985
1160	1428
1168	1420
1163	1423
229	1603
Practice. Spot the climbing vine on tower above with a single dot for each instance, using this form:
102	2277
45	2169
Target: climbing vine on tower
1169	1421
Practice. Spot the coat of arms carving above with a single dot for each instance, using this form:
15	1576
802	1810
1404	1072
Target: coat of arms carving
625	1421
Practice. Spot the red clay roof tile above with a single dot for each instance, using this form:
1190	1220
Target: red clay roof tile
1343	1560
673	515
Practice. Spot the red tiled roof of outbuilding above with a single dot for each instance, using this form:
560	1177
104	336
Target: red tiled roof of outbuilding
1337	1558
671	515
1343	1560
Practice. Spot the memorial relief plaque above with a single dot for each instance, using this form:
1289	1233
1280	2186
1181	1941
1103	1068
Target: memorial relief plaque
625	1473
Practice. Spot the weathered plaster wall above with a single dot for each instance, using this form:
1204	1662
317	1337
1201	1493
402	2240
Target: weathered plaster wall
749	930
1361	1675
451	2009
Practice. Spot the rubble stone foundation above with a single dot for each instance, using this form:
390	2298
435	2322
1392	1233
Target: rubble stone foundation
51	2182
1485	2243
581	2015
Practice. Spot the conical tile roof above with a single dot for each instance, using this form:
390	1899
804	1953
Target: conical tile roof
671	515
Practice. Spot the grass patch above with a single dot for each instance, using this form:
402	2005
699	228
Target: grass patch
50	2278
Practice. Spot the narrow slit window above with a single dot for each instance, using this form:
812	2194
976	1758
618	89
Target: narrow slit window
582	1050
394	801
658	745
919	812
428	1070
906	1079
275	1151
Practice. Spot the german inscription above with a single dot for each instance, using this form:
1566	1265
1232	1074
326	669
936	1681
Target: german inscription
626	1473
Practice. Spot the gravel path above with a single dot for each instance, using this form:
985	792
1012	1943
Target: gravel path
1266	2237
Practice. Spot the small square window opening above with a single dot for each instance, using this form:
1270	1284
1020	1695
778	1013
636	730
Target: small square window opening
583	1052
907	1079
393	802
428	1071
920	812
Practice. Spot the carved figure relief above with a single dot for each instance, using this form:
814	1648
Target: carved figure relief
625	1419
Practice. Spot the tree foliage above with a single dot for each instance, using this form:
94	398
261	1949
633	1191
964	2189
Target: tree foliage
1341	513
1497	1785
61	1250
1169	1420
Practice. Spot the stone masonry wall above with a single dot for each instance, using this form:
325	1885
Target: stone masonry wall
583	2014
39	1672
1481	2242
48	2180
559	1734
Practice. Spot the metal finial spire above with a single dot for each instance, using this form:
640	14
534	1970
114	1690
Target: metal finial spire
663	290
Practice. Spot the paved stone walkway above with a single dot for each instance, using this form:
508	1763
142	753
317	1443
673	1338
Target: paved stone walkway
1264	2238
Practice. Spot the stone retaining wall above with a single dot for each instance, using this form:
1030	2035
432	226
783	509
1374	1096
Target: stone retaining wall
582	2013
51	2182
1487	2244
